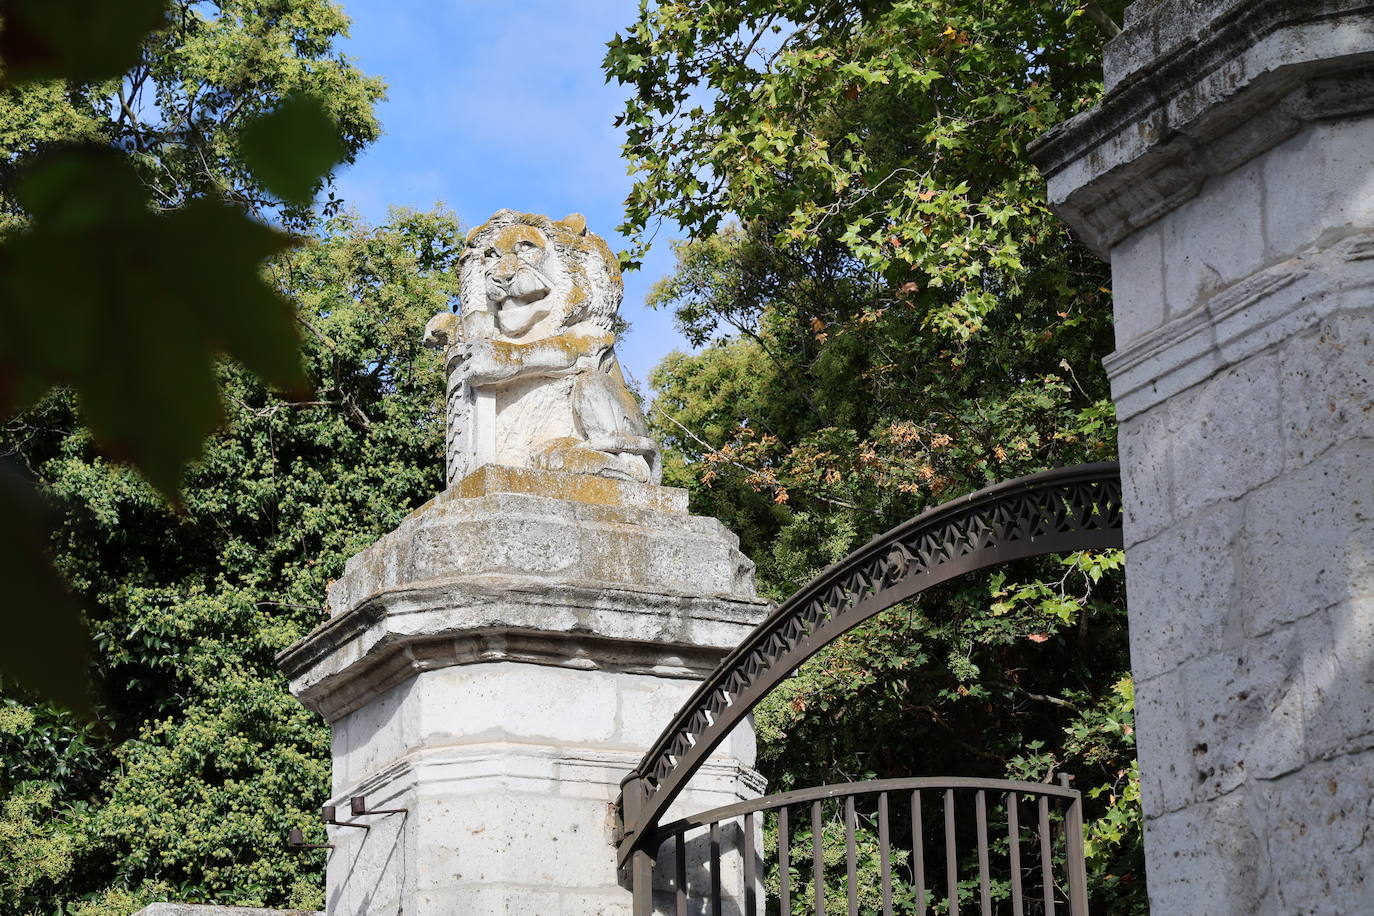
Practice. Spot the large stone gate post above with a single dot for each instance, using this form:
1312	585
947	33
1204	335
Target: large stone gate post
1228	174
496	665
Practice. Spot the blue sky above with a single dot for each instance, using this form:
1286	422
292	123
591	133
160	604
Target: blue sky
495	105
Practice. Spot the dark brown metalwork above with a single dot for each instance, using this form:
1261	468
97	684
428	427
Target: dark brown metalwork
1014	852
784	858
884	854
918	850
1059	806
1056	511
357	806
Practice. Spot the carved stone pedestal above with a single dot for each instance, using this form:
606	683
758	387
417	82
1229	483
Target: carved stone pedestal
495	666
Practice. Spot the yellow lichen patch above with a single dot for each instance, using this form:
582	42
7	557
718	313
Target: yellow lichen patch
568	485
574	345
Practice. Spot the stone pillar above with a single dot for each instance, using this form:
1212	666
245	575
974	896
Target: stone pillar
495	666
1228	174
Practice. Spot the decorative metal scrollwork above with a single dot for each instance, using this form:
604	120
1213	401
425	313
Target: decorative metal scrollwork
1057	511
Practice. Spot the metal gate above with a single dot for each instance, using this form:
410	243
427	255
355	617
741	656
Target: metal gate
1056	511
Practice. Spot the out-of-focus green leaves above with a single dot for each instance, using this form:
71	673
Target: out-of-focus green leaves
136	329
291	148
77	40
46	647
137	155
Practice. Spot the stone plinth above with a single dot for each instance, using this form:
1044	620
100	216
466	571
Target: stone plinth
197	909
1228	174
495	666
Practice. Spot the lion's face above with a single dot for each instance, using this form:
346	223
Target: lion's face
516	282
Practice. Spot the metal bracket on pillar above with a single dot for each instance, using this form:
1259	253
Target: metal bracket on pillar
357	806
330	815
296	840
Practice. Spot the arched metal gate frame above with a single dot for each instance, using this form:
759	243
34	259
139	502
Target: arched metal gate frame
1056	511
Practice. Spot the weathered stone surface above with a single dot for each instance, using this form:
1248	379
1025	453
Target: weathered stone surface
496	666
550	540
194	909
1327	808
1180	587
1308	539
1194	91
1228	326
1328	376
533	380
1212	435
1207	859
1227	175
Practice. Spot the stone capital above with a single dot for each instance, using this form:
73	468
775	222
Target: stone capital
1196	89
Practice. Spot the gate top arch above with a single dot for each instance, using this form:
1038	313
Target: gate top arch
1055	511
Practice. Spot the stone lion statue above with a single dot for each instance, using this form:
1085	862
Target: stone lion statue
533	376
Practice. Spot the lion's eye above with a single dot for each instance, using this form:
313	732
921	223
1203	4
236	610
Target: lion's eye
489	253
526	245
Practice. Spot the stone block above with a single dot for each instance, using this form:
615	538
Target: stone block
1209	858
1222	435
1147	486
498	900
1318	183
1318	830
1180	589
1328	386
1138	302
548	540
1308	539
511	701
198	909
1338	655
1214	240
1245	713
1164	744
596	904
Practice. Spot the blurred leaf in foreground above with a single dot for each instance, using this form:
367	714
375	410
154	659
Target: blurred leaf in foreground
47	648
136	327
290	149
78	40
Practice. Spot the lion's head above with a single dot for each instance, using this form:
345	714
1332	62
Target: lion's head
535	276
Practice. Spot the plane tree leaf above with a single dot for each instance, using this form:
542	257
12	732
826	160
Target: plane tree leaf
77	40
145	301
291	148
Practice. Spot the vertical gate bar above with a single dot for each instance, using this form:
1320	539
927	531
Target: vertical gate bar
680	878
851	864
715	868
784	864
951	860
984	877
1046	864
642	883
817	859
1073	854
884	854
918	851
751	906
1014	848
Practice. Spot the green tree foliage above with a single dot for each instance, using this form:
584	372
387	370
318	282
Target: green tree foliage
203	761
141	144
892	318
